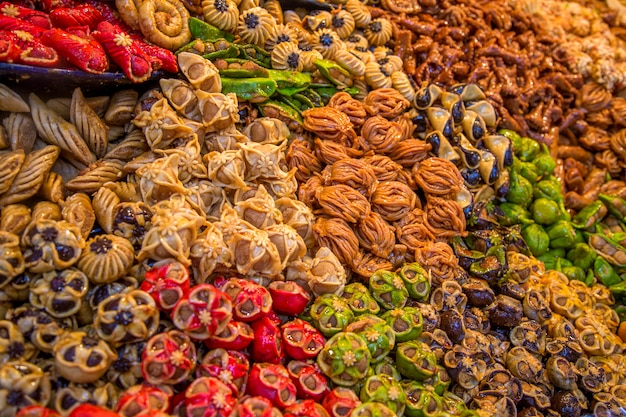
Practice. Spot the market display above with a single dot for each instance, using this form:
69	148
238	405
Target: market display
344	209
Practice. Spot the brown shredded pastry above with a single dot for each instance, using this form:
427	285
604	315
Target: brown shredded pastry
385	169
354	173
308	190
610	161
410	151
444	218
438	176
595	139
412	231
300	156
330	152
440	262
352	107
338	236
328	123
618	111
365	264
618	143
393	200
593	97
376	235
385	102
380	135
344	202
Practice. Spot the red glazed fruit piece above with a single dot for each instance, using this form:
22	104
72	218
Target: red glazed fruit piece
340	402
306	408
251	301
208	396
288	297
167	282
204	312
301	340
267	345
35	17
272	382
84	53
229	366
255	407
79	15
37	411
139	398
168	358
89	410
310	382
236	336
10	51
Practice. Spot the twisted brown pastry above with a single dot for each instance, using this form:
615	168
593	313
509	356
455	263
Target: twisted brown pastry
438	176
338	236
445	218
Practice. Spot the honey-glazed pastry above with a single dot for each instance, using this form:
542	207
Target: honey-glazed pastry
301	157
54	130
254	253
380	135
308	56
106	258
360	13
226	169
182	97
10	164
190	164
121	108
287	56
209	252
384	168
96	175
281	33
366	264
174	228
223	14
404	84
393	200
206	198
59	293
30	175
12	101
200	72
127	318
440	262
25	381
259	210
159	180
90	126
409	152
77	210
438	176
354	173
255	25
412	231
165	23
82	358
343	202
218	111
316	20
132	145
11	259
328	123
126	191
351	107
338	236
129	12
325	275
21	131
297	215
350	62
289	243
162	126
52	188
14	218
385	102
378	31
376	235
267	130
50	244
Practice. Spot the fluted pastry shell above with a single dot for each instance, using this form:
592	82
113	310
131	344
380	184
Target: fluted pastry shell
90	126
